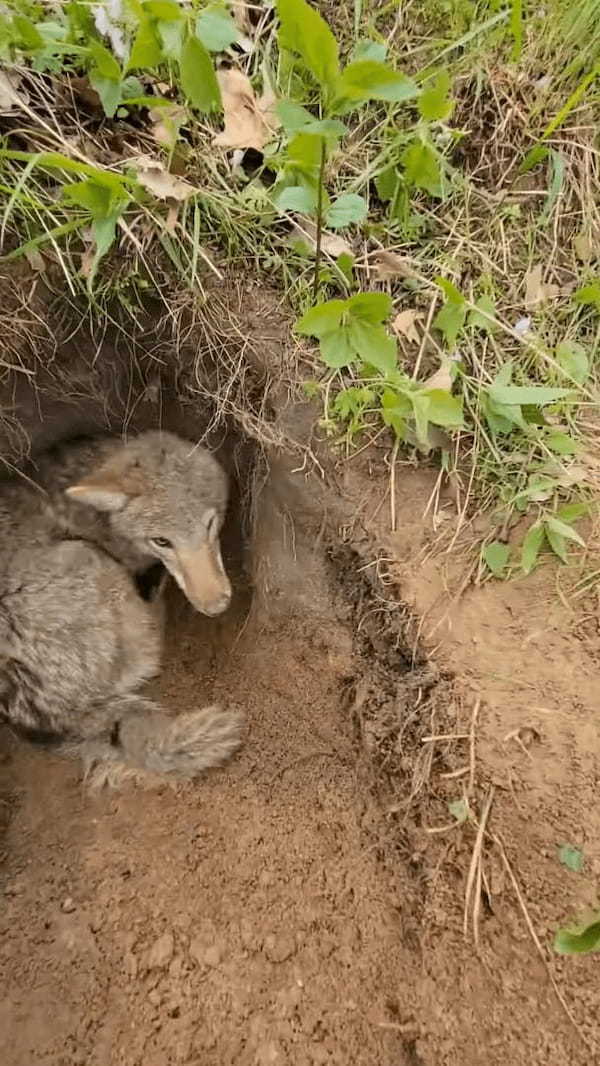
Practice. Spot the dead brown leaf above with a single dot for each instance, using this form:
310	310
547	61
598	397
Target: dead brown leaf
537	291
249	123
330	243
441	379
405	324
166	122
390	265
583	246
153	176
10	94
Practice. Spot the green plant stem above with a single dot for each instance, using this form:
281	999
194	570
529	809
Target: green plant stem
319	220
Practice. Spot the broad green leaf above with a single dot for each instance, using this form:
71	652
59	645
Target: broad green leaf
293	116
198	79
496	556
395	409
444	409
165	10
564	530
330	128
570	512
386	183
347	210
298	198
108	90
589	295
374	50
104	230
572	358
534	156
459	809
304	151
172	35
337	349
422	168
420	404
450	319
557	543
305	33
322	319
216	28
105	63
366	79
486	305
562	443
372	344
450	290
372	307
146	51
537	395
345	263
27	32
91	196
435	103
531	547
579	940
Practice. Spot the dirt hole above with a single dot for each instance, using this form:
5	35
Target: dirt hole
259	916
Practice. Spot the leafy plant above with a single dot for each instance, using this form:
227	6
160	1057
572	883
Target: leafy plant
580	939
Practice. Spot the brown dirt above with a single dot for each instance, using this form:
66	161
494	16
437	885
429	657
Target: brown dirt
296	907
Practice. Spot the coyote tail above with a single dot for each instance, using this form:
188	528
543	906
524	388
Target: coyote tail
144	740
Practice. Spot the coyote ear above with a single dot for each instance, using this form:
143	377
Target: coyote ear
102	496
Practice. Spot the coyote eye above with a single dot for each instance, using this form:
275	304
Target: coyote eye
161	542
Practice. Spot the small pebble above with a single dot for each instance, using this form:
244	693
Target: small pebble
68	905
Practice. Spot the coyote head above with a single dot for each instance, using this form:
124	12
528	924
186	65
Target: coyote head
168	500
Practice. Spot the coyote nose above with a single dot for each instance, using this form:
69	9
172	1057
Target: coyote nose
218	606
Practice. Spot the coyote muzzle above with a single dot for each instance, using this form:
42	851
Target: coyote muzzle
203	579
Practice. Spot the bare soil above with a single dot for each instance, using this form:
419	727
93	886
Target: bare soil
305	904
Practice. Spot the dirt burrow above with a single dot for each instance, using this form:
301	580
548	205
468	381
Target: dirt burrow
305	903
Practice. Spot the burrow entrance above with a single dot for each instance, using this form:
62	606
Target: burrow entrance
270	913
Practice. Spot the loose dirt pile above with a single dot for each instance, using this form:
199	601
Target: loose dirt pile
305	904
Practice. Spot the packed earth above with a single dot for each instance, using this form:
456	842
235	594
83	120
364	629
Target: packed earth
376	878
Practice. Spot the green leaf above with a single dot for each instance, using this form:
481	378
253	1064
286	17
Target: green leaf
322	319
337	349
450	319
537	395
298	198
28	34
533	157
589	295
108	90
198	79
579	940
557	543
366	79
104	230
374	50
564	530
570	512
91	196
330	128
346	211
373	345
496	556
422	168
165	10
562	443
386	183
435	103
293	116
146	51
459	809
531	547
372	307
304	151
486	305
420	404
171	35
572	358
445	409
105	63
395	409
305	33
216	28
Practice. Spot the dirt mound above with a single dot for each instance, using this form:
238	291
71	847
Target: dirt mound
305	904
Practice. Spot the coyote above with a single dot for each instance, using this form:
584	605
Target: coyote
77	639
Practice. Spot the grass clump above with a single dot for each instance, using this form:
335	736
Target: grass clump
421	184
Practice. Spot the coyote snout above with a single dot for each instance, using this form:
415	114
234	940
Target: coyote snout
202	577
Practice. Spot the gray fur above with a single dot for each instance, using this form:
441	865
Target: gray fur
76	639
